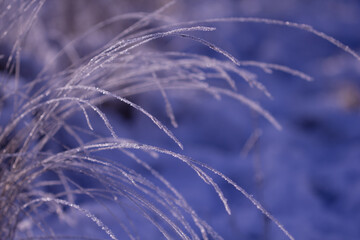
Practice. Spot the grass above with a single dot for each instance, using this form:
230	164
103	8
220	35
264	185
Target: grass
55	128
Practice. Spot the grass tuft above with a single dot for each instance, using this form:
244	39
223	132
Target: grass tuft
60	148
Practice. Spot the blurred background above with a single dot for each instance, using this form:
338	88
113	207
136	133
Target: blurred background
307	175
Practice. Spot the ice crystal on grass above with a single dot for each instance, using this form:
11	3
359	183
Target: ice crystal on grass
55	129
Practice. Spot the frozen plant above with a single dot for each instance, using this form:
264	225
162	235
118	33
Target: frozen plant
54	126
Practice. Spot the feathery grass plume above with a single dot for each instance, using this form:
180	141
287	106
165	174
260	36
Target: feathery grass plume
39	170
